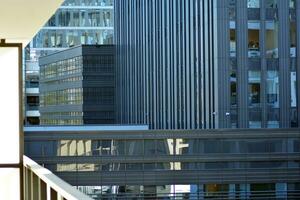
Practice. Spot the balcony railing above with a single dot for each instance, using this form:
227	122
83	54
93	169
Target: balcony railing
42	184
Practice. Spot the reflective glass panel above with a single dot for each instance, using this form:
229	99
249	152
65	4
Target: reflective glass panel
272	39
134	147
293	39
253	3
271	3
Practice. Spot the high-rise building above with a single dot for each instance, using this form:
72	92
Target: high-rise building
75	22
208	63
77	86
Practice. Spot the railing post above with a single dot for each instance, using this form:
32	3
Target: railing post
48	192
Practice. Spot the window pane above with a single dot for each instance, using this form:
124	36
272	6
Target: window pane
293	36
134	147
254	88
232	42
253	39
165	147
272	99
273	89
271	3
84	147
292	3
119	147
253	3
255	114
293	89
272	39
9	118
66	148
149	147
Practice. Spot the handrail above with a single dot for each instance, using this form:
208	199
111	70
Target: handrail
63	189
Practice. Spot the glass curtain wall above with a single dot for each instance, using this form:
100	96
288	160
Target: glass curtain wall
293	64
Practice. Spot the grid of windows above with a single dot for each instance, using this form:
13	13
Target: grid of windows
78	80
196	191
271	72
76	22
61	121
168	147
161	166
69	38
169	157
88	3
166	63
61	68
66	80
82	18
61	97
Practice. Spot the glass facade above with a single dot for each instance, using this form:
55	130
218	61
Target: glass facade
271	39
253	39
207	164
151	147
253	3
78	88
76	22
194	191
266	41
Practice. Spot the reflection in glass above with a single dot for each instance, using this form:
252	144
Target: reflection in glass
134	166
150	148
271	39
182	146
253	3
66	167
273	89
255	115
292	4
164	147
232	43
271	3
149	166
293	89
272	99
67	148
87	167
118	147
260	146
84	147
164	166
134	147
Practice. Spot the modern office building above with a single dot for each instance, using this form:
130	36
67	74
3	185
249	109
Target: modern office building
130	162
75	22
77	86
208	64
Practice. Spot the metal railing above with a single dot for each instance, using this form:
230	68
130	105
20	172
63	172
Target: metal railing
42	184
